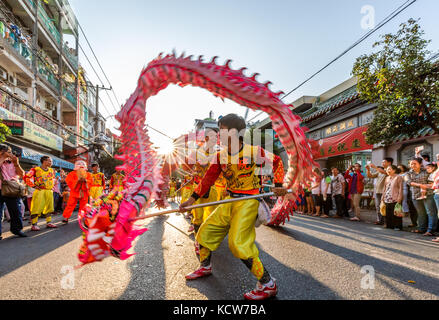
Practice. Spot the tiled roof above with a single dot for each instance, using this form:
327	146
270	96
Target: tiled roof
322	108
420	134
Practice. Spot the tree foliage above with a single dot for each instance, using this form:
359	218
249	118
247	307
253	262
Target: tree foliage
108	164
5	131
403	80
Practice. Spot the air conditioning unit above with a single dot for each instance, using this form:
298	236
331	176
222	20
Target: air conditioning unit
12	80
3	74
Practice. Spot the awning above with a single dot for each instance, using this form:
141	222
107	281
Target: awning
35	157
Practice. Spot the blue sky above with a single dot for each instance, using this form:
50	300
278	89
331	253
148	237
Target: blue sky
284	41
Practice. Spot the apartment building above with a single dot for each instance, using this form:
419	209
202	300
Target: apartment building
43	88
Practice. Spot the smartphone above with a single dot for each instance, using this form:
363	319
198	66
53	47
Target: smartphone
419	149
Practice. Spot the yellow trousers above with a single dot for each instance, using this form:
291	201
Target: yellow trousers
201	214
42	204
238	221
96	192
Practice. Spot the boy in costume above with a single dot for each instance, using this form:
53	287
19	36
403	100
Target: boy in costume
98	183
117	181
79	182
42	179
238	163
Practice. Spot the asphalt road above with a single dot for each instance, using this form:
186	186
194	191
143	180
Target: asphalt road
311	258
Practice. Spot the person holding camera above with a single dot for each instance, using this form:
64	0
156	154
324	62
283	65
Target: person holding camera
10	173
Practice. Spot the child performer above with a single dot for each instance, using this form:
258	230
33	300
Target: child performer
98	184
238	163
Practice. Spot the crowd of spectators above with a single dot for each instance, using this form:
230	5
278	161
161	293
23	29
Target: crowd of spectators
398	192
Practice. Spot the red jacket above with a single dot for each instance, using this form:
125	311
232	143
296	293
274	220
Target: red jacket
360	181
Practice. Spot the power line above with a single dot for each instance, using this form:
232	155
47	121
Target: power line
386	20
105	75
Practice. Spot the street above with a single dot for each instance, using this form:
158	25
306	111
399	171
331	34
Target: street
311	258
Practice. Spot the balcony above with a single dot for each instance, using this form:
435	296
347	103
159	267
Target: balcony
71	57
48	76
17	107
18	48
46	21
69	93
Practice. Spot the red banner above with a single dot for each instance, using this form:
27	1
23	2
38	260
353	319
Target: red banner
345	143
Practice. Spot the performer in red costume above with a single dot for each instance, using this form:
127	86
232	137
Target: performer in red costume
79	182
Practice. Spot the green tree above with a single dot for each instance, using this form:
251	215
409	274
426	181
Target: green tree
108	164
402	79
5	131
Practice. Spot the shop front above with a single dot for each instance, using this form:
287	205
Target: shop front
343	150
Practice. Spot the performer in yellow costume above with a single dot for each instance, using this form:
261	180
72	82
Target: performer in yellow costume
202	159
172	186
117	181
98	186
187	189
238	163
42	179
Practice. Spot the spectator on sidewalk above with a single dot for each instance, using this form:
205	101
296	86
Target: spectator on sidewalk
393	194
407	204
309	202
316	191
326	193
426	208
338	186
355	180
10	170
380	175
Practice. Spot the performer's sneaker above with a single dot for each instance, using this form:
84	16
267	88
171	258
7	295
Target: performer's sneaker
35	228
200	273
191	229
65	221
51	226
261	292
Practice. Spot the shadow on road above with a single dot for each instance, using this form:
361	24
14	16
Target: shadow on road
394	271
17	252
338	234
231	279
148	275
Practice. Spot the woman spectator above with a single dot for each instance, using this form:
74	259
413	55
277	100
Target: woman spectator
393	194
426	208
407	205
10	170
326	193
316	191
355	180
309	202
338	186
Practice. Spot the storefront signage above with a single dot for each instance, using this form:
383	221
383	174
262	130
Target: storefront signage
33	132
345	143
17	127
341	127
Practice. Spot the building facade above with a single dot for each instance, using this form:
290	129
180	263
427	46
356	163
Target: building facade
336	123
42	86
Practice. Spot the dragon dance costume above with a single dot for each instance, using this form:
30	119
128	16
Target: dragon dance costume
117	181
237	220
